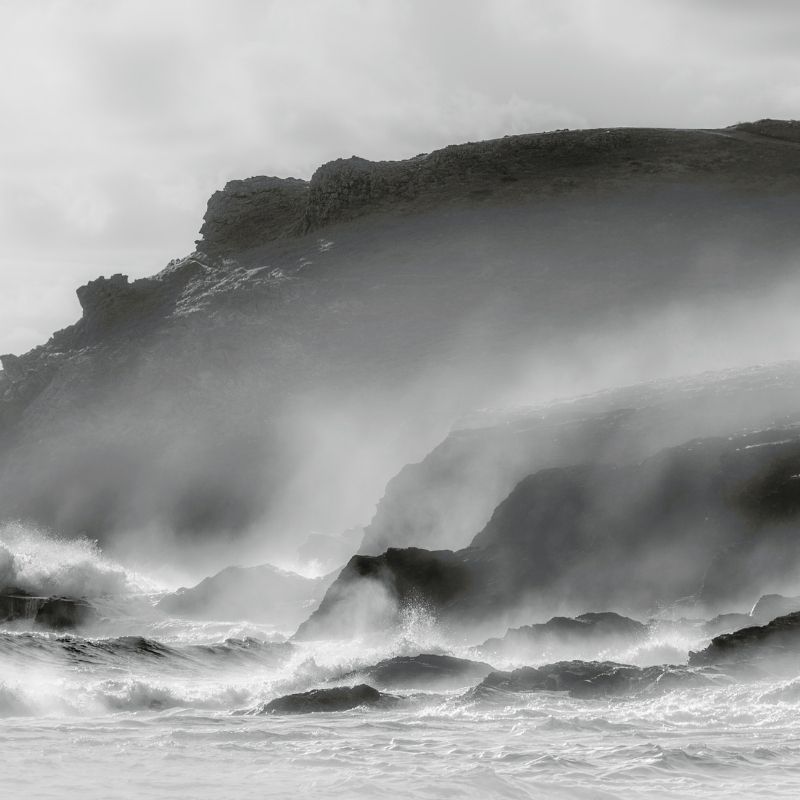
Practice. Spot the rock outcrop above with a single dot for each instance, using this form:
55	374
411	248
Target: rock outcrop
689	521
249	213
774	646
340	698
442	500
391	296
585	633
53	613
588	679
427	671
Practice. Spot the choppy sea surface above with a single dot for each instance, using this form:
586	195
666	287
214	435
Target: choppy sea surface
150	707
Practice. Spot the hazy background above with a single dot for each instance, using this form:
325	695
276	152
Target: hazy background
120	118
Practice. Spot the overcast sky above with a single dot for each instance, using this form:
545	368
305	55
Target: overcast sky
120	117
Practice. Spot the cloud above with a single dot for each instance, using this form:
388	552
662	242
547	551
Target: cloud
120	119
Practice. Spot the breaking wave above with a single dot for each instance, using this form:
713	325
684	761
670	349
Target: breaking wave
41	563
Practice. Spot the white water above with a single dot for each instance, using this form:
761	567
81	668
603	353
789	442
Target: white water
108	717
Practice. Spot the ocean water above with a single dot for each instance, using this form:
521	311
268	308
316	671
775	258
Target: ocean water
149	707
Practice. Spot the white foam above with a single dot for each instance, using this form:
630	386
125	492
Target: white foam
42	563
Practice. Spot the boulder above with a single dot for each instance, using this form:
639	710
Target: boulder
340	698
426	671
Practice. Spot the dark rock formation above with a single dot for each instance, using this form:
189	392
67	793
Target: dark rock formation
587	679
442	500
775	645
180	404
707	519
248	213
55	613
586	632
341	698
261	594
372	590
426	671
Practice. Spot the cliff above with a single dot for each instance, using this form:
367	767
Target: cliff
372	304
708	521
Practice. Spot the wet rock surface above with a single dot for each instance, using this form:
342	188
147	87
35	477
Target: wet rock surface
340	698
425	671
588	679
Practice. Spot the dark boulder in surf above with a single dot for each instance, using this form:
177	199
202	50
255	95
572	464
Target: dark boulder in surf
340	698
587	679
425	671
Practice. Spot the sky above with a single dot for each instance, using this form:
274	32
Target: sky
121	117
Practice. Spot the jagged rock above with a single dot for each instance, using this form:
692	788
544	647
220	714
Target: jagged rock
426	671
442	500
341	698
587	679
776	645
769	606
585	632
686	522
261	594
373	590
56	613
12	367
251	212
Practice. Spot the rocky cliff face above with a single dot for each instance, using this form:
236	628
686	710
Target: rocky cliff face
710	520
370	305
442	500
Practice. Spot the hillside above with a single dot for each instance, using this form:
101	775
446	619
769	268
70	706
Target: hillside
325	333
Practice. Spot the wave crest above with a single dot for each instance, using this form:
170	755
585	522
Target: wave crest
44	564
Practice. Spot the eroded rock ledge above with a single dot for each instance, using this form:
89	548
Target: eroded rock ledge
251	212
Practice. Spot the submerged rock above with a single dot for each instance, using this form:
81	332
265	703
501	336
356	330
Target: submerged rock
425	671
588	679
340	698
